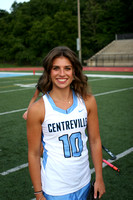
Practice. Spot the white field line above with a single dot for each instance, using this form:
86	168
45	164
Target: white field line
14	169
21	73
17	73
7	91
109	76
113	91
13	111
121	155
99	79
26	85
100	94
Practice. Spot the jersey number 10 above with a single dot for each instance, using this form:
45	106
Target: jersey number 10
72	145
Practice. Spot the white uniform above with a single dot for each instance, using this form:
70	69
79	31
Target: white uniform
65	167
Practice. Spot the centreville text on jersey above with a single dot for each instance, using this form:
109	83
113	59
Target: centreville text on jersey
67	125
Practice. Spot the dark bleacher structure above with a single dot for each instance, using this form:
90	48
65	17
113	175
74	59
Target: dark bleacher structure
119	53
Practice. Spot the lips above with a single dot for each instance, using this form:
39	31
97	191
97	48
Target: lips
62	80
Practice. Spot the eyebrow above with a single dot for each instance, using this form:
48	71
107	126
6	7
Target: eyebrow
64	66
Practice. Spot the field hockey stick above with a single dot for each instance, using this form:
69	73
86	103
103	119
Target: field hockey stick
112	166
113	157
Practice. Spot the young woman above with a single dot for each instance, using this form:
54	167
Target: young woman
59	120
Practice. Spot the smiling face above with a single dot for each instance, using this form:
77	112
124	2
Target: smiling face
61	72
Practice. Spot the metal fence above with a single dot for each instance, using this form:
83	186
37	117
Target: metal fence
124	36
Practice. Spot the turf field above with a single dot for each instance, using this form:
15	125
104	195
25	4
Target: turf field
114	96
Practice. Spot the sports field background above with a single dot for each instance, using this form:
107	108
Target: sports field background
114	96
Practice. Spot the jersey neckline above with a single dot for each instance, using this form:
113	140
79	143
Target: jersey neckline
69	110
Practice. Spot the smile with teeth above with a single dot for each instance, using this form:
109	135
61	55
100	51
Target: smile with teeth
62	80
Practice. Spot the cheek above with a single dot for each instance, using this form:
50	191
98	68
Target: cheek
52	73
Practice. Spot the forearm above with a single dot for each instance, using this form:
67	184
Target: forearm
35	171
96	153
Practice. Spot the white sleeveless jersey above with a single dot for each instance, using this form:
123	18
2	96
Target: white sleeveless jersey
65	167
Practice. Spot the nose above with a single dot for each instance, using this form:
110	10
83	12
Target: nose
62	72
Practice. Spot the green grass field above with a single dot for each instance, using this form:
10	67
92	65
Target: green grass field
114	98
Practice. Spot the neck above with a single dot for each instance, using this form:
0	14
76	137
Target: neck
61	95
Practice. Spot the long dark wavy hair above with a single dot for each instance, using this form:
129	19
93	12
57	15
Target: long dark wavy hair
79	84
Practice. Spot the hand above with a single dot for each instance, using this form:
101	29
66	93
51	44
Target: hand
43	198
40	198
25	115
99	187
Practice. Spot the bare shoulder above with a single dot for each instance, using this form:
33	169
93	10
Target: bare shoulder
90	103
37	110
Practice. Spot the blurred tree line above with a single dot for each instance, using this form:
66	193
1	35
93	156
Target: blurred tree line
33	28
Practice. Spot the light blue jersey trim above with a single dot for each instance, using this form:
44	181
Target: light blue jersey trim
69	110
45	155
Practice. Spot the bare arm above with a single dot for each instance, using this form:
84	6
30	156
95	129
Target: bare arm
33	99
95	145
35	118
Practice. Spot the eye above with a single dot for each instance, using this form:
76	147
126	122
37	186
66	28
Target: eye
55	68
68	68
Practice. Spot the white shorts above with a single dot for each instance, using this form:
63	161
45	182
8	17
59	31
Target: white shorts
81	194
